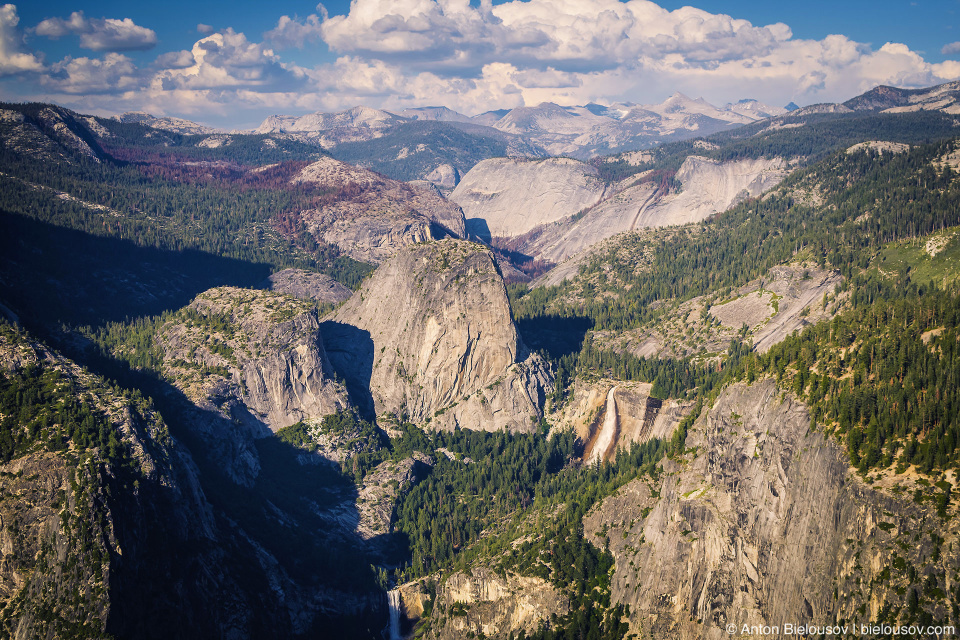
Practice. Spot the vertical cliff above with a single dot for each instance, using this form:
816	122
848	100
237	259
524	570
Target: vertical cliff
763	522
430	336
249	363
482	602
85	470
627	408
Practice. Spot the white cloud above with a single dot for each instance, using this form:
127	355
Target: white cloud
113	73
105	34
175	60
574	51
204	28
580	35
294	32
13	59
229	60
953	47
400	53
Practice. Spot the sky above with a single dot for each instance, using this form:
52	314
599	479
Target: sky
232	63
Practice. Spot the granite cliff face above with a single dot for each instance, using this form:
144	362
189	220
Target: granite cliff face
625	410
430	336
484	602
763	522
53	133
504	197
706	187
553	209
83	527
251	362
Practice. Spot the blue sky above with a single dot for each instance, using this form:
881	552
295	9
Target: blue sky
233	63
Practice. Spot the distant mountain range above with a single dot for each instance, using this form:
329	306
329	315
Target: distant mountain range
177	125
421	142
578	131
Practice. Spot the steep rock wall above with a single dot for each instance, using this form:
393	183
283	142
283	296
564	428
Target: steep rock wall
763	523
430	335
504	197
250	362
638	417
495	605
554	233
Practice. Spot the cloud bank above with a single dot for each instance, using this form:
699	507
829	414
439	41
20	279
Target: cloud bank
100	34
400	53
13	58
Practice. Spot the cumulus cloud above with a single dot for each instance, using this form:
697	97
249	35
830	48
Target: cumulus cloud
400	53
113	73
583	35
105	34
294	32
228	59
953	47
13	59
175	60
575	51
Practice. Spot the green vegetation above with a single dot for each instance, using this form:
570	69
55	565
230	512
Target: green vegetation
904	194
42	408
517	499
132	142
501	486
927	258
884	376
888	389
160	201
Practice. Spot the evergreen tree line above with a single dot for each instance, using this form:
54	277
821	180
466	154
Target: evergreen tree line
884	376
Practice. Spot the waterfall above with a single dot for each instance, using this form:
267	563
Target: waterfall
393	598
608	430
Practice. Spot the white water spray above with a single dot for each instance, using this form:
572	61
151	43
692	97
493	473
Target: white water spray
393	598
608	430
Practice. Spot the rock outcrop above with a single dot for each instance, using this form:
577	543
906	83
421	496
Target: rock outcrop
377	496
706	187
307	285
251	362
787	299
53	134
86	527
763	522
615	214
710	186
505	197
627	407
430	336
445	175
331	129
370	217
484	602
555	209
177	125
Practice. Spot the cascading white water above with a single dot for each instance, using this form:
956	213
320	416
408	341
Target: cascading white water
608	430
393	598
